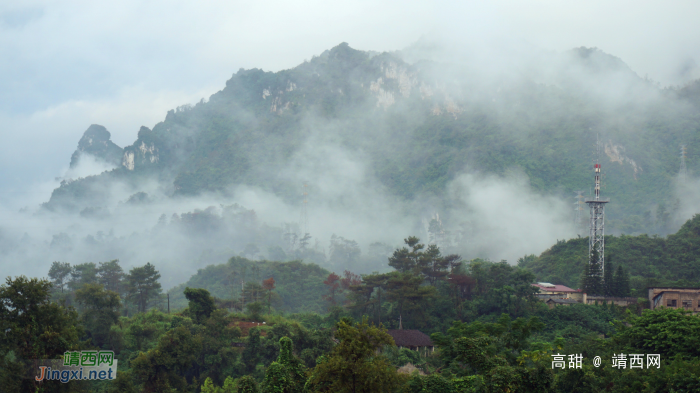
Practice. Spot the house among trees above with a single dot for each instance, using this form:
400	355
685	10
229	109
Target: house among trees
686	298
558	295
552	291
411	339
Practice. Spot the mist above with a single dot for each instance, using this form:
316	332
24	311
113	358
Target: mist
684	200
490	217
459	62
481	215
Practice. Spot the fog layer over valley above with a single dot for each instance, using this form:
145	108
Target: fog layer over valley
480	154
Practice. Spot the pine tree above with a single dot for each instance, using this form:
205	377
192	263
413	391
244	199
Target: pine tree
608	279
584	277
591	279
622	283
110	274
143	285
59	274
625	285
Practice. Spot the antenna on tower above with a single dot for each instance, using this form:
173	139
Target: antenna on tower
304	218
683	173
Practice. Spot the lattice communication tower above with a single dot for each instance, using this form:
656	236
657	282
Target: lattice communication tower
596	237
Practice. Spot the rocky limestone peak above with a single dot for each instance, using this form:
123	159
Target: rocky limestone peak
96	142
144	152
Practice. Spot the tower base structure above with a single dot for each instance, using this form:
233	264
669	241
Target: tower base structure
596	237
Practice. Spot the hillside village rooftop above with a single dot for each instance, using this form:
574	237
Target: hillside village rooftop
551	289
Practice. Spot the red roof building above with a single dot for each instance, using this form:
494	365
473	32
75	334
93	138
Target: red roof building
551	289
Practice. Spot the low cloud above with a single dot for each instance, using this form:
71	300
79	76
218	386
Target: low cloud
503	218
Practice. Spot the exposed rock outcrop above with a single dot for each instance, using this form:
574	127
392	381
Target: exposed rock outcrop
96	142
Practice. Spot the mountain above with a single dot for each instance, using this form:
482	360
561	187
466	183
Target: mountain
417	126
96	142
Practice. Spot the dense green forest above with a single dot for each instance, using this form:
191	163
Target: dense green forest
264	326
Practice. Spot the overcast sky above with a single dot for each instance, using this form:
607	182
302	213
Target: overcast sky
67	64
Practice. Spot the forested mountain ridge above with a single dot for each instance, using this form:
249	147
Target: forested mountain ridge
417	126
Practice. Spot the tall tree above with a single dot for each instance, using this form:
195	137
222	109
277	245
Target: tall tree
81	274
252	292
362	294
110	274
462	285
58	273
304	241
99	311
163	368
143	285
608	281
252	352
406	290
349	279
354	365
407	260
32	327
332	283
201	304
622	283
434	265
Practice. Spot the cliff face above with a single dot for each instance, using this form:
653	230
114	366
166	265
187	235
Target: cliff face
144	152
96	142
